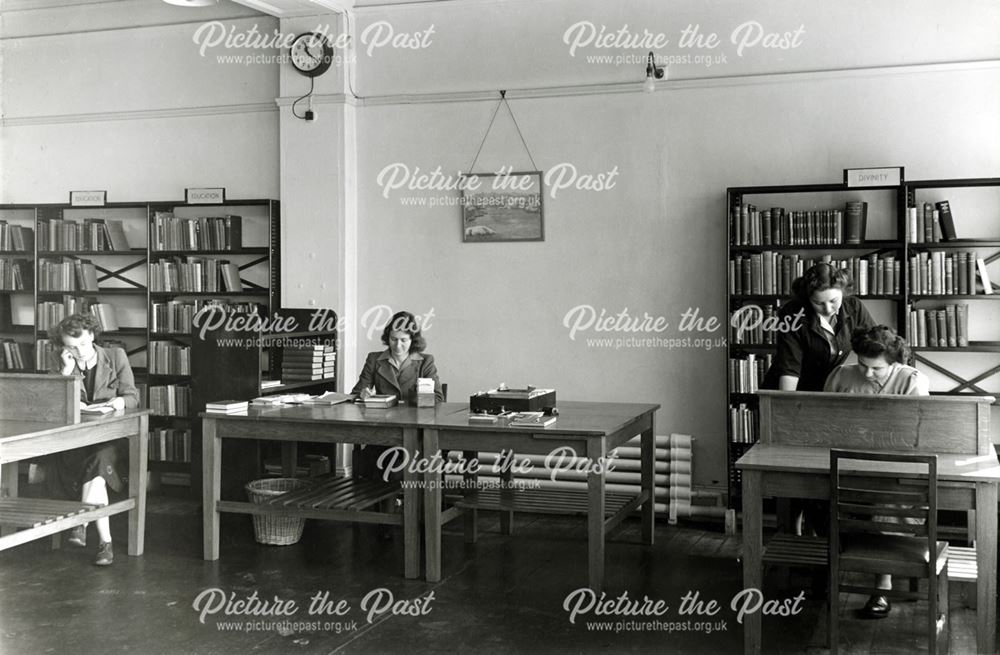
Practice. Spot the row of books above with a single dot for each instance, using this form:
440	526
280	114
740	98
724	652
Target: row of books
196	274
91	234
772	273
778	227
170	232
305	363
938	273
930	223
170	400
177	315
49	313
14	355
946	327
745	373
16	274
169	445
743	424
65	274
16	238
168	358
762	319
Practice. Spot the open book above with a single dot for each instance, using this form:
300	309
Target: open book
97	408
328	398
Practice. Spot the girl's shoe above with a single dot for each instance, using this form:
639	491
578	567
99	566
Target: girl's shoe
105	556
78	536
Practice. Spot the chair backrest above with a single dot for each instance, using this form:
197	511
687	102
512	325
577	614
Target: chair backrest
863	496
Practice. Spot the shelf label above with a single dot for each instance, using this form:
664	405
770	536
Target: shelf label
862	177
88	198
208	196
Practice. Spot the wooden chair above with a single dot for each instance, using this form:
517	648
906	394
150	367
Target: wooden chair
863	541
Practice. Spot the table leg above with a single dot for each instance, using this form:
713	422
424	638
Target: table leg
432	511
986	561
595	515
753	547
137	473
507	490
471	515
289	458
8	489
648	509
211	453
411	508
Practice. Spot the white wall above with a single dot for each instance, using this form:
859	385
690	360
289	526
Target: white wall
118	97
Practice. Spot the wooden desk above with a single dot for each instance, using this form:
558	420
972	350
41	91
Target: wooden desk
591	429
21	440
344	423
793	460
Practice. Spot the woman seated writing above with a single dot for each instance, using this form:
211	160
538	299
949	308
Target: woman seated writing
881	369
394	371
86	473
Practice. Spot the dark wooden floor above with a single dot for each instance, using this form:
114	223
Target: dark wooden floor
501	595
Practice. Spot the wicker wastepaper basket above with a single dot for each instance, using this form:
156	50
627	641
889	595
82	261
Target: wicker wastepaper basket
270	529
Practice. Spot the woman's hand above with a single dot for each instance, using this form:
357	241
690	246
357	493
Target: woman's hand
68	361
117	403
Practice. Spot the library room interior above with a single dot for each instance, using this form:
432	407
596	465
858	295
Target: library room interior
499	326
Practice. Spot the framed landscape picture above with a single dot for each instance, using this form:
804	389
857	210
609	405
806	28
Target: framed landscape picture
505	207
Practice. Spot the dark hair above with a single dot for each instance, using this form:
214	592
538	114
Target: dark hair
406	322
821	277
880	341
73	326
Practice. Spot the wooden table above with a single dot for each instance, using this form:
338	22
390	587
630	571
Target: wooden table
591	429
344	423
797	431
22	440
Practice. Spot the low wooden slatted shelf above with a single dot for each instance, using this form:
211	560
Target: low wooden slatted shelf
792	550
538	501
330	492
33	512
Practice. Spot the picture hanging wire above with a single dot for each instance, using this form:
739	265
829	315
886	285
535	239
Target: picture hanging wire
502	101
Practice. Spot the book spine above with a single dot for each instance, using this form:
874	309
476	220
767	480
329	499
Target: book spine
951	326
947	222
962	330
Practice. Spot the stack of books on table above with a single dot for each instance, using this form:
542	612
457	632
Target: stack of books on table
380	401
530	420
227	406
306	363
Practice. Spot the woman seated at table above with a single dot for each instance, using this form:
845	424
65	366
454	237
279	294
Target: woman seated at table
394	371
881	370
86	473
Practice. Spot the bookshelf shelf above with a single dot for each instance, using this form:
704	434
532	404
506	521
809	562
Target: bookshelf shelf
235	251
866	246
97	292
957	243
973	347
956	296
211	294
92	253
773	297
